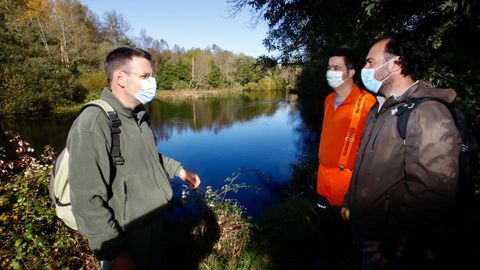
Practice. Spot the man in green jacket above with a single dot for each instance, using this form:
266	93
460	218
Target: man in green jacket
117	207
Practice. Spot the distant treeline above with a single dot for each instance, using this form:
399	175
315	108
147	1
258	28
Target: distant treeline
52	51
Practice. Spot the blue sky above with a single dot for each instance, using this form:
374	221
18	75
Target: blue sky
189	23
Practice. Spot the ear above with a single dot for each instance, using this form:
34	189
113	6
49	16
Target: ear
119	78
396	64
351	73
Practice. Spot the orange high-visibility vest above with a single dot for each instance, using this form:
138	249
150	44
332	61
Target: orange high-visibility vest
341	133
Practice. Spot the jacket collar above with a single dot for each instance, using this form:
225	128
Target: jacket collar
138	112
421	89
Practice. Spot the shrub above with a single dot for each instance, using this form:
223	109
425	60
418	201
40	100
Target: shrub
32	237
250	86
94	81
267	84
11	86
180	85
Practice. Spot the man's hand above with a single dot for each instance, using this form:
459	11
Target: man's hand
122	262
345	213
377	258
191	178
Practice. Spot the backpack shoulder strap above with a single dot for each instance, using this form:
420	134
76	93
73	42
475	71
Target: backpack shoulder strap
115	124
403	112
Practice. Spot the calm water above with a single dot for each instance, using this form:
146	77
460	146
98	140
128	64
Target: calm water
258	136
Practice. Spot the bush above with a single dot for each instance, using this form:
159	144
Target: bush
36	86
180	85
94	81
267	84
250	86
32	237
11	86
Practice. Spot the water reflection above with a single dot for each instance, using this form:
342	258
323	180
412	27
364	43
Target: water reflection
39	132
218	137
210	114
262	135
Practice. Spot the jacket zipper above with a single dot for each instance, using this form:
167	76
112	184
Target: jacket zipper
125	200
387	202
150	151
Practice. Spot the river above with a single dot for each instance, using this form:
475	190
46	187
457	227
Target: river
261	137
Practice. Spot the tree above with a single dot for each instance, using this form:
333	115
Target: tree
166	76
246	71
115	29
215	76
39	12
303	30
225	61
69	29
145	41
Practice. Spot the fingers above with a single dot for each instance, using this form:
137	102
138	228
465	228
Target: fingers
193	180
371	246
375	258
342	213
345	213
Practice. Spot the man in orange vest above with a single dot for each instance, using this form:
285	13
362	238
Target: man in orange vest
345	113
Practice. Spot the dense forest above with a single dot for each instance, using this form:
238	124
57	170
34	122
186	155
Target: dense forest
52	51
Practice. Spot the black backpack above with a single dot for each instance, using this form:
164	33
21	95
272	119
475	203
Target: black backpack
468	164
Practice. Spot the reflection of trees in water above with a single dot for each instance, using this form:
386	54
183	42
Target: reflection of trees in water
39	131
212	114
305	167
266	95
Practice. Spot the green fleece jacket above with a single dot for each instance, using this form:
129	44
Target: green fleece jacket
109	201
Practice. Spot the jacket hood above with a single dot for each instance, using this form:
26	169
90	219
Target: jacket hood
422	89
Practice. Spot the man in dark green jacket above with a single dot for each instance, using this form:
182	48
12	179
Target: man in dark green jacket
117	207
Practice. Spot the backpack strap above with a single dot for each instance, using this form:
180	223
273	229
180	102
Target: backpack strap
115	124
403	112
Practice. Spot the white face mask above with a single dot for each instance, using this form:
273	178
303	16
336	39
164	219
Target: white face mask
334	78
368	78
147	91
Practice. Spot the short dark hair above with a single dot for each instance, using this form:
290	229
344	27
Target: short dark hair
351	60
121	57
413	56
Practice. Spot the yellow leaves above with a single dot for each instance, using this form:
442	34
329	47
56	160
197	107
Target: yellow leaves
39	9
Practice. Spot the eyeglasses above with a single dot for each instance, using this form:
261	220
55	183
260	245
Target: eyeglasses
143	76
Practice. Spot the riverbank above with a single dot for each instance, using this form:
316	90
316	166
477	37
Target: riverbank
166	95
198	93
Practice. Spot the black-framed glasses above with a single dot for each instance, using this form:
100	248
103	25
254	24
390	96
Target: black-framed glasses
143	76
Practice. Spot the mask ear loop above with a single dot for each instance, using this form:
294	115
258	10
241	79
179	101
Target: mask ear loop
391	73
348	72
